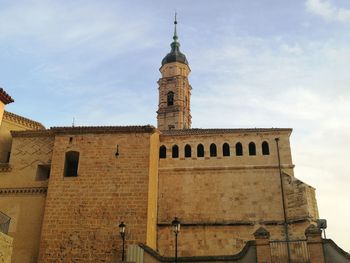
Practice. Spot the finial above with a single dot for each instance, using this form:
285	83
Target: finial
175	33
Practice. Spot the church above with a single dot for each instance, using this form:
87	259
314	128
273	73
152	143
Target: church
65	191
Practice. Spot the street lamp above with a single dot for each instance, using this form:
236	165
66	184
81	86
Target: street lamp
176	228
122	234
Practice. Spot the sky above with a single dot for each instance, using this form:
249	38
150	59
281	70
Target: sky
266	63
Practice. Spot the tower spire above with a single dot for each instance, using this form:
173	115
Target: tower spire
175	37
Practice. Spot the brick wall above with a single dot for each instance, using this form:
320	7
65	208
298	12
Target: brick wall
82	213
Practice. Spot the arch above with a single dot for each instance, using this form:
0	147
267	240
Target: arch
200	150
175	151
188	151
239	149
252	148
162	152
170	98
265	148
71	164
226	149
213	151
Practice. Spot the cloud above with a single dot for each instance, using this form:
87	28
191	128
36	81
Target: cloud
328	11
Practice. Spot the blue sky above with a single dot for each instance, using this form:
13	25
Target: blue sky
265	63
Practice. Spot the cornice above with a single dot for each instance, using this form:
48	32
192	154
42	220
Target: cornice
103	129
218	168
5	167
23	190
195	131
34	125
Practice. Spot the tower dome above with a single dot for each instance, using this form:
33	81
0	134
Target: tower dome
175	55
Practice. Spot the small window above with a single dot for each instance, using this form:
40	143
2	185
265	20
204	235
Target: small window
252	149
226	149
239	149
200	150
170	98
188	151
175	151
162	152
213	152
265	148
71	164
8	157
43	172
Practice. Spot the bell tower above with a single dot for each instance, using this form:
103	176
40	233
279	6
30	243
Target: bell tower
174	111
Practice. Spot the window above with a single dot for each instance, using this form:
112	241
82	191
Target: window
188	151
252	150
71	164
200	150
162	152
239	149
226	149
43	172
175	151
8	157
213	150
265	148
170	98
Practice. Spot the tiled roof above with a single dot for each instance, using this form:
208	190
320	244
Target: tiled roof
103	129
85	130
33	125
4	97
221	131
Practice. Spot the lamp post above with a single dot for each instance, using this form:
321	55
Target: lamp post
122	234
176	228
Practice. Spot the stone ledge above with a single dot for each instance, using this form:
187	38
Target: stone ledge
237	167
23	190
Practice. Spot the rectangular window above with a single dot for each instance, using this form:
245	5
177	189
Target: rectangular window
43	172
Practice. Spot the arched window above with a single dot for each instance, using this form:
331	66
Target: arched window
200	150
213	152
162	152
188	151
175	151
239	149
71	164
170	98
252	149
226	149
265	148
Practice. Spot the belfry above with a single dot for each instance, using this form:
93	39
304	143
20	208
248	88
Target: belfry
174	111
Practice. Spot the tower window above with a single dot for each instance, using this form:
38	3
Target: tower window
226	149
252	149
175	151
162	152
200	150
213	151
188	151
265	148
239	149
71	164
170	98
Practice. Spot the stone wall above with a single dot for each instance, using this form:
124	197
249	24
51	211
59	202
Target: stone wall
22	196
13	122
5	248
222	200
82	213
